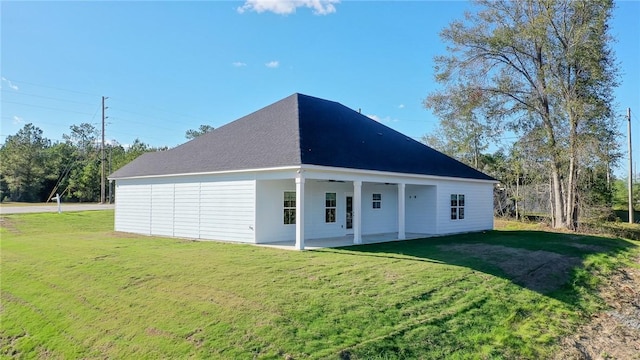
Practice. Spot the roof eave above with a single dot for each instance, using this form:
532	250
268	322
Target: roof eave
394	174
312	167
222	172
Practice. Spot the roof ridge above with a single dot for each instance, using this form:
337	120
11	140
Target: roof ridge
301	129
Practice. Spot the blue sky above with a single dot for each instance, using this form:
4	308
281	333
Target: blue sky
170	66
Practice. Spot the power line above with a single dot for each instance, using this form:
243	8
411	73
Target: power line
85	103
53	87
45	97
45	107
139	123
138	137
151	106
155	118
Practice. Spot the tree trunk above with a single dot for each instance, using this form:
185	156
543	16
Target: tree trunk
570	202
558	209
558	213
517	197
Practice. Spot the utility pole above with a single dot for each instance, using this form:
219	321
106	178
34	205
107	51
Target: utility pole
630	169
109	183
102	172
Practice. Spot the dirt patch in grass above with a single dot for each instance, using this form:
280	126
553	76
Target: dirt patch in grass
9	224
152	331
541	271
503	224
614	333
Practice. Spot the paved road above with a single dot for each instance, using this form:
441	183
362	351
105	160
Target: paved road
52	208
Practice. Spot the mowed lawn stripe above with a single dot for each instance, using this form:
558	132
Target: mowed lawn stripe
73	288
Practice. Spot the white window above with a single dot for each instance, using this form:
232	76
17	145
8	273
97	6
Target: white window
289	207
330	208
377	201
457	206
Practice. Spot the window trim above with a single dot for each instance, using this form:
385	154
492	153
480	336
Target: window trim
287	209
457	203
328	208
377	201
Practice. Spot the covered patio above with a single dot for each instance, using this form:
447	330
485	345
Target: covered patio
408	211
342	241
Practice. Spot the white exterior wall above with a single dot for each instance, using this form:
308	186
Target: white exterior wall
384	219
269	206
478	207
270	225
162	202
133	207
270	211
227	210
187	210
248	207
421	209
315	225
196	208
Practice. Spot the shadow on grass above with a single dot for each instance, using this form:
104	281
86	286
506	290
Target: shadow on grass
552	264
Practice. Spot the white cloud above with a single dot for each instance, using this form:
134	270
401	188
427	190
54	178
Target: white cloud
386	119
10	84
286	7
17	120
272	64
401	106
239	64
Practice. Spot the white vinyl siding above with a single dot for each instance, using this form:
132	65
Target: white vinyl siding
478	207
227	210
421	205
385	218
213	210
316	191
162	198
249	207
133	208
270	226
187	210
269	222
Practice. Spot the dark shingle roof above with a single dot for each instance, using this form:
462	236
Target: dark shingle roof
298	130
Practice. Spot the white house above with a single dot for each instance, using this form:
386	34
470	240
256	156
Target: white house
302	168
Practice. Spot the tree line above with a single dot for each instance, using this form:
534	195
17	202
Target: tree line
34	168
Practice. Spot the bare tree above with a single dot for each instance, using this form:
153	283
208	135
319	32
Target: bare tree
541	66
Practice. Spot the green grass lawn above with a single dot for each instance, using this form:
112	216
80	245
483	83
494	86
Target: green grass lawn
72	288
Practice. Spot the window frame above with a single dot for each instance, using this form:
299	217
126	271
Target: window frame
330	207
289	208
457	206
377	201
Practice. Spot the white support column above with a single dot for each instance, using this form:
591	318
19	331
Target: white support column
300	211
357	212
401	210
